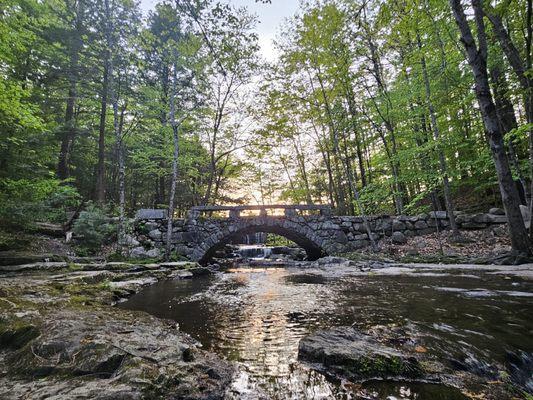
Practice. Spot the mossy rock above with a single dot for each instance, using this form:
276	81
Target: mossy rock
16	335
346	352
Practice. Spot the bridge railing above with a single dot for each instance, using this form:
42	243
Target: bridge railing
264	210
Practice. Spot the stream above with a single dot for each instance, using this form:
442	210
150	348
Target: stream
256	315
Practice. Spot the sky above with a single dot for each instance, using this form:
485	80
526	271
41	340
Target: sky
270	17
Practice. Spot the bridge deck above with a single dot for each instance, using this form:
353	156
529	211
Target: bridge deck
235	211
262	207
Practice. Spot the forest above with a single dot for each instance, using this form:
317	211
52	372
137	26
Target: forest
373	107
266	199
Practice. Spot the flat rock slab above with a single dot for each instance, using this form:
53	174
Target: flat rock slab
38	266
15	258
348	353
150	213
104	355
179	265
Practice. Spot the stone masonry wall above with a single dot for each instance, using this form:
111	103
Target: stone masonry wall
196	238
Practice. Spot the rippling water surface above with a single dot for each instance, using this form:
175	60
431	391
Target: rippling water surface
257	315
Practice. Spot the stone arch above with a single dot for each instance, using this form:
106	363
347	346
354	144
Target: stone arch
303	236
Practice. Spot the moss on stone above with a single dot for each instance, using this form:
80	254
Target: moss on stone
15	333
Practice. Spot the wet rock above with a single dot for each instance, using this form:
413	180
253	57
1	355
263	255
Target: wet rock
16	336
181	274
331	260
348	353
179	264
198	271
130	355
293	253
469	363
334	261
510	258
398	238
520	367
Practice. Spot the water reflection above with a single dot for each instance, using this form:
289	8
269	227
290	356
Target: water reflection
256	317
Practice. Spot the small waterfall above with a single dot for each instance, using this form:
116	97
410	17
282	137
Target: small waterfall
250	251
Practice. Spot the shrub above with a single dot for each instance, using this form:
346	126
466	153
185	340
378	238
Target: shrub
24	201
93	228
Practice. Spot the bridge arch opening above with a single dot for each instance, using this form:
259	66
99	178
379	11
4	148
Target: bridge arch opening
313	249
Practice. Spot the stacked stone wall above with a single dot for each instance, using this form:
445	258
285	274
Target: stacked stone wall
196	237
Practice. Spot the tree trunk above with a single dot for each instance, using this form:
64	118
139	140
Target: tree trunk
175	136
100	179
520	69
353	119
436	136
69	131
477	59
117	131
506	115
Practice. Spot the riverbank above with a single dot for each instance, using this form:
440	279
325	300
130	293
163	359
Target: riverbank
61	337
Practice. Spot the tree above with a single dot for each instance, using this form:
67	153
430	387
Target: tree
477	59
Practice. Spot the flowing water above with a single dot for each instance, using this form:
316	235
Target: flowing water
257	315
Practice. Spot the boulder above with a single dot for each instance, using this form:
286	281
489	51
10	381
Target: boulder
130	241
421	224
150	225
481	219
420	243
155	234
346	352
398	238
153	253
138	252
438	214
398	225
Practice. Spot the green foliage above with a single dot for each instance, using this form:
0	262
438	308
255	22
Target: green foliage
277	240
343	111
24	201
93	228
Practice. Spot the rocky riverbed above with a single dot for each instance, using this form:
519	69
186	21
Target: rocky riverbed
335	328
61	337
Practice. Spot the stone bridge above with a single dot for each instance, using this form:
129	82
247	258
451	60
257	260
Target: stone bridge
313	227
